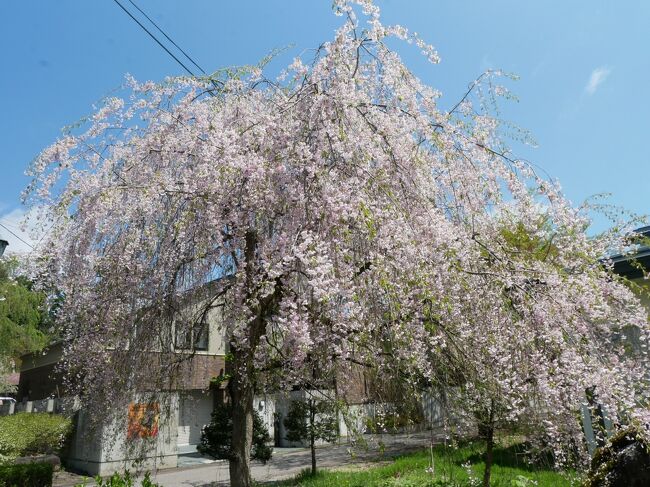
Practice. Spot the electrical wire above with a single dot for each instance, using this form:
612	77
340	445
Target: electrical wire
154	38
18	237
167	37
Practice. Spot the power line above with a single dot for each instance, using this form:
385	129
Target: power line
19	238
10	224
155	38
167	37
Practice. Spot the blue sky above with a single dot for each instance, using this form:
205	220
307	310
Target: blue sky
583	65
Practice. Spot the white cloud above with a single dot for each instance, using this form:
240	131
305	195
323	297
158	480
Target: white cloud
598	77
21	229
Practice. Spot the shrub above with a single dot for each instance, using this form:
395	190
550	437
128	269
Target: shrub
312	421
121	480
216	438
26	475
25	434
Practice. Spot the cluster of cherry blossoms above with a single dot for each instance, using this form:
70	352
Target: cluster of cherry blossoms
338	217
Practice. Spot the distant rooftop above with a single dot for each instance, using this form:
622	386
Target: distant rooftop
626	265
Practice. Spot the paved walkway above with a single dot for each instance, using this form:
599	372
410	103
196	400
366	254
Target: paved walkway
288	462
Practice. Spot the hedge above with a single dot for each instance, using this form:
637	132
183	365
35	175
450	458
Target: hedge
24	434
26	475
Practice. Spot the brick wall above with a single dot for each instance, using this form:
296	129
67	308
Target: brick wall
195	372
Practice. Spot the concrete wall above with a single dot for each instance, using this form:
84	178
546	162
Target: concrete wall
105	449
353	418
352	421
194	412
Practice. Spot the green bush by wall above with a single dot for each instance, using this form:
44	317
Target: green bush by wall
26	475
216	438
24	434
121	480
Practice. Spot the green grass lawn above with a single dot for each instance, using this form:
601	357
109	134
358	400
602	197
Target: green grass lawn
461	466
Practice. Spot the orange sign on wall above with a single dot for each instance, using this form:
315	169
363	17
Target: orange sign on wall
143	420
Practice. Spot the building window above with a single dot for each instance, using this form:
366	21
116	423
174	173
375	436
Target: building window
192	336
201	336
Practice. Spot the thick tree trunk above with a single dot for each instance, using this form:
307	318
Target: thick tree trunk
243	373
241	393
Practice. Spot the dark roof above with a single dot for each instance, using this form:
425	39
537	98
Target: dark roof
627	265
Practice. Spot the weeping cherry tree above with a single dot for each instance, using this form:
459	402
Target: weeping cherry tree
338	216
